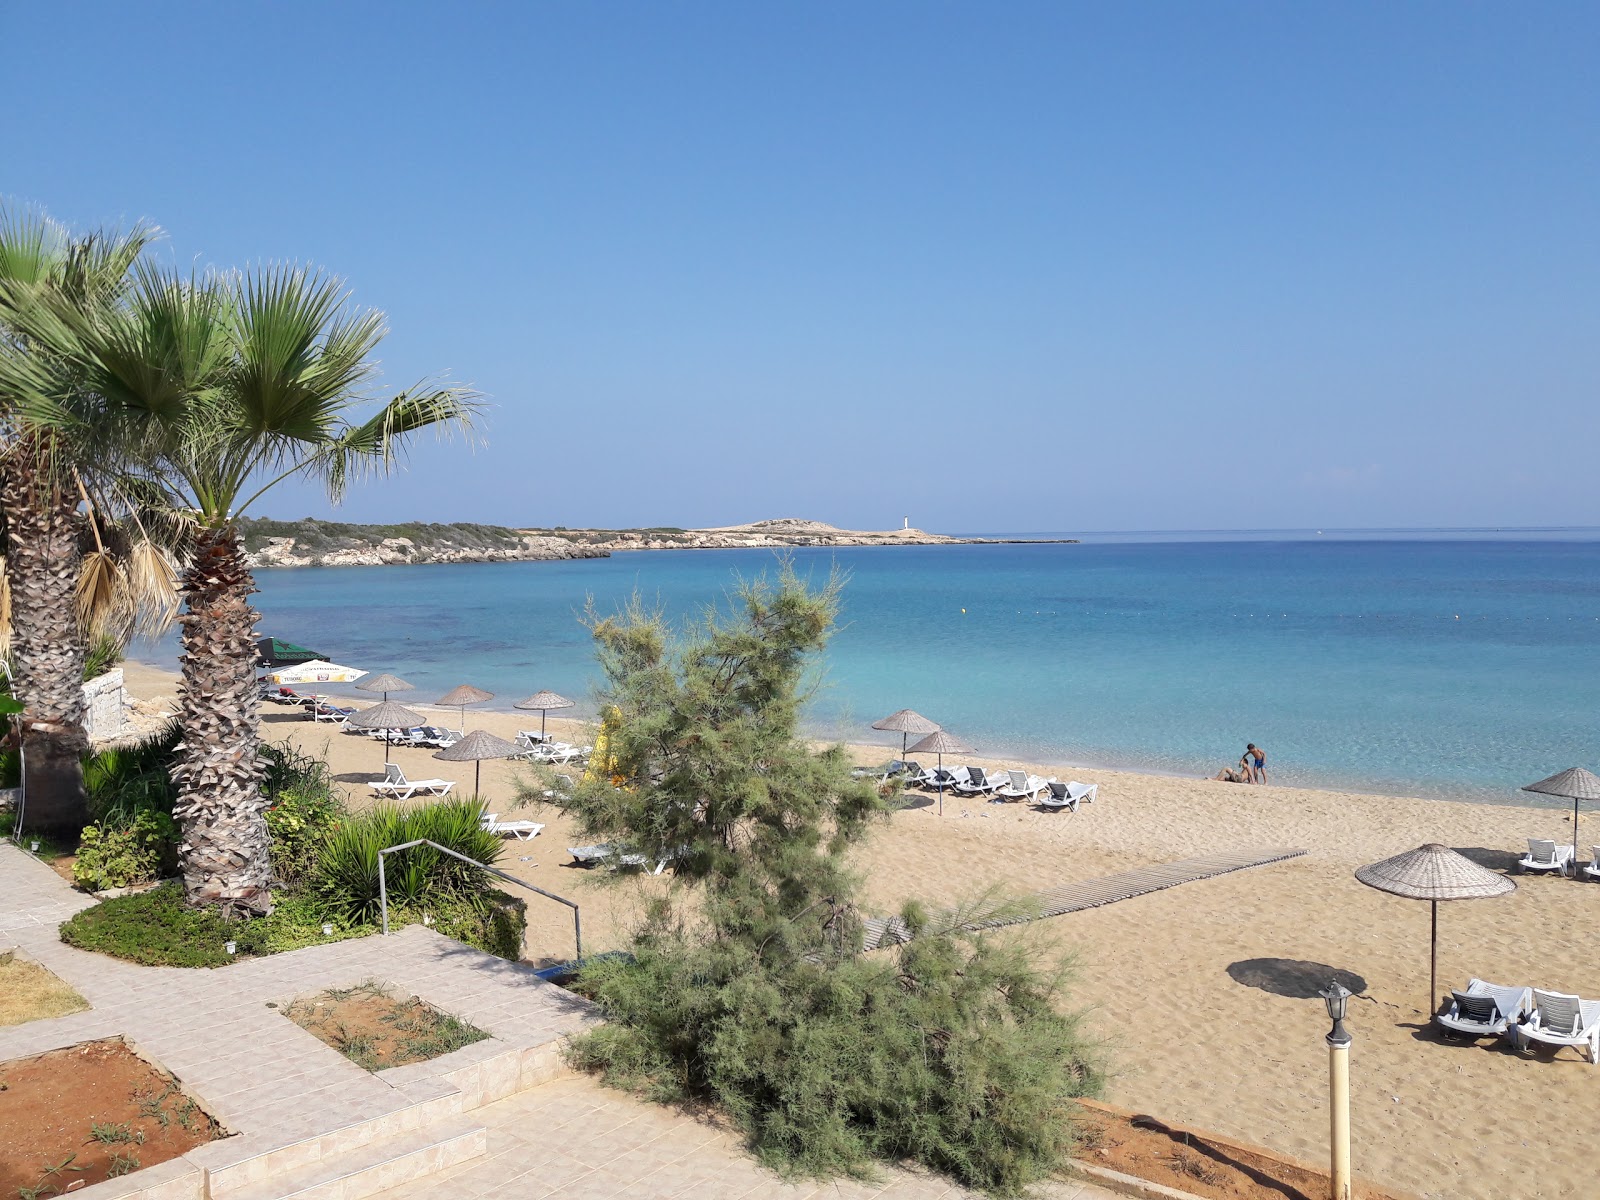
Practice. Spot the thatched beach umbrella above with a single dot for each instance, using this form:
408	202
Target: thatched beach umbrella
461	697
1434	873
1573	784
387	716
474	748
941	743
906	722
386	683
542	701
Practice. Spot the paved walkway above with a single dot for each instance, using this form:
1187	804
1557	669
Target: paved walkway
576	1140
275	1086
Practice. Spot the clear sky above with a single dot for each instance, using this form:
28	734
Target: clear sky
1022	266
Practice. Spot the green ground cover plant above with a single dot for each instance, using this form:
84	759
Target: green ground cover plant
748	985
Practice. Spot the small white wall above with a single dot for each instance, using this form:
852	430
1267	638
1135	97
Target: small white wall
105	703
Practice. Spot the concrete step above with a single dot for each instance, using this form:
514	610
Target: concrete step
374	1167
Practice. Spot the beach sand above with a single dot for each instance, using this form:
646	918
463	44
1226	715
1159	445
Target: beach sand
1182	987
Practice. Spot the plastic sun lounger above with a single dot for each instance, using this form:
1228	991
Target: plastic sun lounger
1020	786
975	784
1593	869
1484	1009
396	786
523	831
588	856
1562	1020
1544	855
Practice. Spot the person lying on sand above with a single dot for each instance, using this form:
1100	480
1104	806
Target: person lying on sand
1239	774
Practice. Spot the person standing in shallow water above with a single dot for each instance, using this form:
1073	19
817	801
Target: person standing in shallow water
1258	762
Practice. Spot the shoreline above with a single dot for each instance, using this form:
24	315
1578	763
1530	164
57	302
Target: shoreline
869	751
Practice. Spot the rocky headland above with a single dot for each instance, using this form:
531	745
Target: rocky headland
312	543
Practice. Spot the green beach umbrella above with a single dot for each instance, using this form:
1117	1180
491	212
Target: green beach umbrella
275	652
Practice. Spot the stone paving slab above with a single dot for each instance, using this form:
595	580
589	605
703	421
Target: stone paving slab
257	1072
573	1139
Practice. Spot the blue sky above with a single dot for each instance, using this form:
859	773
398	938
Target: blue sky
997	267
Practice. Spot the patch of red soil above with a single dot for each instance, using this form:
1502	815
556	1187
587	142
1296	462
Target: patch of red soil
375	1030
90	1112
1199	1163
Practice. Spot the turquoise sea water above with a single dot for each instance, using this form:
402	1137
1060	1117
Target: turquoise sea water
1444	667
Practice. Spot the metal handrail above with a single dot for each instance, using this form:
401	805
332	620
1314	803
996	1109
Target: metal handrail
383	887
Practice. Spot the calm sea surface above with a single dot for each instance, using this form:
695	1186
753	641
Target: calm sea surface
1458	667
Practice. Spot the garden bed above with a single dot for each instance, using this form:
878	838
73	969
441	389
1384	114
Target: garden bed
375	1029
88	1113
28	992
1196	1163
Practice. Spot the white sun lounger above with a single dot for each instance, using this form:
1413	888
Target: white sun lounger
1484	1009
523	831
1020	786
1593	869
1562	1020
1544	855
397	787
975	784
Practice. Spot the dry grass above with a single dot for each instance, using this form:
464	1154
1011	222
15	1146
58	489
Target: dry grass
28	992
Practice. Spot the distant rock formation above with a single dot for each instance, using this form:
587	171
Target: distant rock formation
332	544
312	543
775	533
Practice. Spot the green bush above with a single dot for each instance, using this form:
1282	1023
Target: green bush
347	872
156	928
305	809
125	781
490	920
140	851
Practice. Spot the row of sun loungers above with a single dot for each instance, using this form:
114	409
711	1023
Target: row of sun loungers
1524	1016
1051	795
1546	855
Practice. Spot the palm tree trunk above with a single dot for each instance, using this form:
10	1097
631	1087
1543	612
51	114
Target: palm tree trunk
220	808
43	565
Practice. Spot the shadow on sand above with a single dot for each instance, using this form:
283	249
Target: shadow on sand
1292	977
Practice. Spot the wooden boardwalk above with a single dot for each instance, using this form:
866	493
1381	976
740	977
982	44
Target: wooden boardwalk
1093	893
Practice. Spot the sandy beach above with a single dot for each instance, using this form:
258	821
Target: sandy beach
1198	993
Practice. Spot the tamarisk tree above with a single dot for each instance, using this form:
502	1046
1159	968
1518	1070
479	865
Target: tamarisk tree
749	985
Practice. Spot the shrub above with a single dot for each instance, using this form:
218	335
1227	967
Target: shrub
347	873
156	928
299	821
125	781
954	1051
139	851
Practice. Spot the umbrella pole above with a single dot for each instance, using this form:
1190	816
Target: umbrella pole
1433	963
542	738
477	778
1574	837
941	785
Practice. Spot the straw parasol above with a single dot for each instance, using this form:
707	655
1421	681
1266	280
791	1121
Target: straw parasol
385	683
542	701
1573	784
476	747
461	697
1434	873
906	722
941	743
386	716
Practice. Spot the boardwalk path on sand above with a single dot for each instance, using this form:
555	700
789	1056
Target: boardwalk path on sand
1093	893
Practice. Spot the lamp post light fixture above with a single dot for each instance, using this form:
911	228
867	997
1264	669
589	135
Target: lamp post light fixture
231	947
1336	996
327	929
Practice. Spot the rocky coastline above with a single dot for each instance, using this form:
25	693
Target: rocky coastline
328	544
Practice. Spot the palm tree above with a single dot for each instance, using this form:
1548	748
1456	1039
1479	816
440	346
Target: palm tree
55	598
213	391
